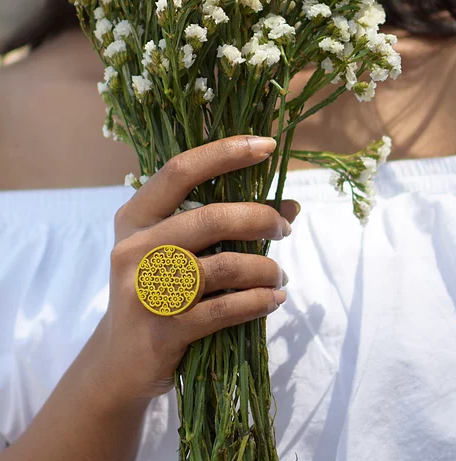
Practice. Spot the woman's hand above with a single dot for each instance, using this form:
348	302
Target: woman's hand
96	411
144	349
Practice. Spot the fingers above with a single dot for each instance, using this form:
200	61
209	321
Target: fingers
289	209
214	314
169	187
197	229
241	271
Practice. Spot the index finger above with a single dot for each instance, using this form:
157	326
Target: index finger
169	187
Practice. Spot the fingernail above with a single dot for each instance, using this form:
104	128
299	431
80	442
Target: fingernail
279	298
298	208
261	145
286	228
285	279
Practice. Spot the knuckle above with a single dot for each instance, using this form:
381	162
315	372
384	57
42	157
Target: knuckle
121	217
176	167
267	219
227	266
274	271
218	310
121	255
266	299
211	215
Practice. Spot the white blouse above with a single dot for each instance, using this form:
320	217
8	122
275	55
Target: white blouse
362	354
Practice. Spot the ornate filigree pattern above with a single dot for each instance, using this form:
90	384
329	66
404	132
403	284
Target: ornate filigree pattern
168	280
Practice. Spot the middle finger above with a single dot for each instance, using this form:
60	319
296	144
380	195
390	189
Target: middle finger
196	230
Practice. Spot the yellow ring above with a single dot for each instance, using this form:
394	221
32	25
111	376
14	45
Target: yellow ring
169	280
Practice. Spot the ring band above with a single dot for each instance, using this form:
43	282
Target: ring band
169	280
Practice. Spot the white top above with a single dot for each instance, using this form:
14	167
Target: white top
362	354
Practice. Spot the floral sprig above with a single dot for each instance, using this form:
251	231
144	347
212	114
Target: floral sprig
357	171
181	73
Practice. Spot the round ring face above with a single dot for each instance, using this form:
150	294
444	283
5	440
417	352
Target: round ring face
168	280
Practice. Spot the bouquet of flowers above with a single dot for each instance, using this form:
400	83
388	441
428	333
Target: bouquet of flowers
181	73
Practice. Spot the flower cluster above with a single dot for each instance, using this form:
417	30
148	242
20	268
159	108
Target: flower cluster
347	38
192	65
358	170
182	73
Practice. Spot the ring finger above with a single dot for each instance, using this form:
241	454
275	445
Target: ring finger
231	270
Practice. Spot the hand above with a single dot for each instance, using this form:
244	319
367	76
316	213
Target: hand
142	350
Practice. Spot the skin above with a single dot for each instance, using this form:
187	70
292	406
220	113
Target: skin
132	355
61	76
50	136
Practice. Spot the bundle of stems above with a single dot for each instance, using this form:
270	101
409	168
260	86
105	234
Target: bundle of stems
182	73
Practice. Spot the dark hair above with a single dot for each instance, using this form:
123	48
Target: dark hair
435	18
57	16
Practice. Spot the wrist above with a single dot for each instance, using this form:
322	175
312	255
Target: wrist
104	379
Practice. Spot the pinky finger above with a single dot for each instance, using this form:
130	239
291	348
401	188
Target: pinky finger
226	310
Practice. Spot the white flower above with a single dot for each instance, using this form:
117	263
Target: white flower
307	4
276	27
98	13
110	73
250	46
394	60
209	95
385	150
103	26
282	30
367	94
353	27
146	60
231	53
331	45
365	210
102	87
342	3
348	49
268	53
106	132
255	5
189	57
118	46
188	205
271	21
336	79
370	166
141	84
150	47
335	180
320	9
341	24
161	6
162	44
201	84
143	179
379	74
215	13
327	65
194	31
130	179
122	30
350	75
371	16
165	64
